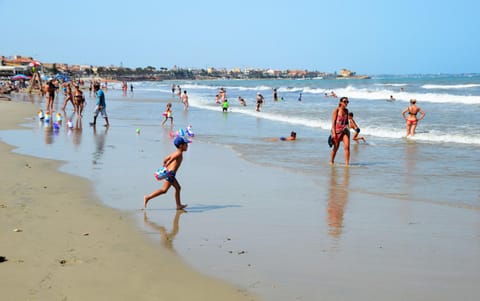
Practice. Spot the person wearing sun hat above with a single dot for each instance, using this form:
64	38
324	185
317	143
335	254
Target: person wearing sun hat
171	164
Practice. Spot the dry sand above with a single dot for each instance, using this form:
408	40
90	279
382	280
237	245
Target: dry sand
60	243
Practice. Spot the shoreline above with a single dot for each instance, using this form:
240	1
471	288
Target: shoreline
59	241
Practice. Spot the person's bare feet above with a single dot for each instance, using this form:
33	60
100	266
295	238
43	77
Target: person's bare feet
145	201
182	207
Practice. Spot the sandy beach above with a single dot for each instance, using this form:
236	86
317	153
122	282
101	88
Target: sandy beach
59	243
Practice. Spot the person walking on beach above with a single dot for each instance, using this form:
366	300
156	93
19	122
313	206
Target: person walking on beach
173	89
90	89
412	120
100	105
168	114
185	100
354	126
172	163
51	89
68	97
260	101
340	130
124	88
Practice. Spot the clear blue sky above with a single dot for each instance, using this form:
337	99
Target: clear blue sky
369	36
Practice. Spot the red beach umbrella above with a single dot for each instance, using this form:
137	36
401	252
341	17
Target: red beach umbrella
34	64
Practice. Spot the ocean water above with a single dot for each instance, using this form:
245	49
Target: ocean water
443	158
335	214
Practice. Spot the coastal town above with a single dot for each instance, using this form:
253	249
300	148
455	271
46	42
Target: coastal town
17	64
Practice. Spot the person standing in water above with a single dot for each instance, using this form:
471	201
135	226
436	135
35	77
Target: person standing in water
341	130
354	126
185	100
260	101
411	119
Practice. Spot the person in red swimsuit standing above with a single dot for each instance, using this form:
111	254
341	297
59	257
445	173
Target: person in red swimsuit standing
412	119
341	130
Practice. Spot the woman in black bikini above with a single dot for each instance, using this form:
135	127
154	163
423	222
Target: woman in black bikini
412	119
78	100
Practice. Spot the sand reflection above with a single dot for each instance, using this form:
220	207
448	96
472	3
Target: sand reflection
337	200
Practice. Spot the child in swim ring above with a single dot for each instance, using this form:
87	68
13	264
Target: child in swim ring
168	114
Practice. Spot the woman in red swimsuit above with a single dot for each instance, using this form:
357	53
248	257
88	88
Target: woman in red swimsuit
412	119
341	130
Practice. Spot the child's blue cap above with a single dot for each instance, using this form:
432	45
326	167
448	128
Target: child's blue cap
180	140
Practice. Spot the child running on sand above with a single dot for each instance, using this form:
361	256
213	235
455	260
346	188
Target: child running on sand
172	163
354	126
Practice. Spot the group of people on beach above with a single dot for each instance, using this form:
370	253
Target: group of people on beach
342	122
125	88
73	95
76	97
183	96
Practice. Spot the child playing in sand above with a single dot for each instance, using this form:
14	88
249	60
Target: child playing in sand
168	114
172	163
354	126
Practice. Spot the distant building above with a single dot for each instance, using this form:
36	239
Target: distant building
346	73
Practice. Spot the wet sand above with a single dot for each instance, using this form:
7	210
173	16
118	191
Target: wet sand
58	242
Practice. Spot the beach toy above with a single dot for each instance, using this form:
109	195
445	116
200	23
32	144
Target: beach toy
181	132
47	117
161	173
40	114
137	131
56	126
70	124
189	131
59	117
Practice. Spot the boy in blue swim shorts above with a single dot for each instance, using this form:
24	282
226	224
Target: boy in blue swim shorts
172	163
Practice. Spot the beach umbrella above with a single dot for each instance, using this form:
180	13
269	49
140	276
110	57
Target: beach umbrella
62	77
19	77
34	64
